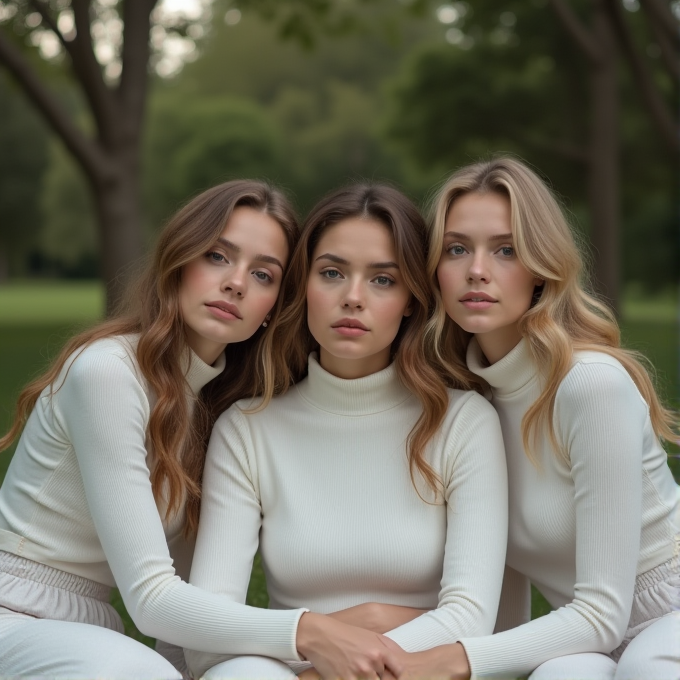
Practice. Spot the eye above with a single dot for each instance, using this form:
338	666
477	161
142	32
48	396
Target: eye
383	280
506	251
332	274
455	249
214	256
264	277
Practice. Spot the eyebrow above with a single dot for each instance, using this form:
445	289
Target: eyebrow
259	257
371	265
465	237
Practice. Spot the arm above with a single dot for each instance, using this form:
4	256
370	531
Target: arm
227	540
104	412
600	417
475	491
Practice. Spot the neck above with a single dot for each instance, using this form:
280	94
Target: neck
497	344
351	369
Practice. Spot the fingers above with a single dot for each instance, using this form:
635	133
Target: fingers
393	664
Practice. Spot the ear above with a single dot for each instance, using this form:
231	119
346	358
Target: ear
409	308
539	282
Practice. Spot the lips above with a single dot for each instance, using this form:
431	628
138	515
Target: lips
477	297
224	309
350	328
349	323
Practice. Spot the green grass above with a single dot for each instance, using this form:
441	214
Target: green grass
37	303
37	317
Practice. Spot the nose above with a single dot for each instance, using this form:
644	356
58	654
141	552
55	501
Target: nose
478	269
235	281
354	295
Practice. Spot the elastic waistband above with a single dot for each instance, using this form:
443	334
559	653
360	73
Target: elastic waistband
662	572
43	573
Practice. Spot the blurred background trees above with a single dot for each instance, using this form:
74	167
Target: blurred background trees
150	107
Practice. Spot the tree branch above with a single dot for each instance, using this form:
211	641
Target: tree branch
670	50
88	72
650	94
84	150
135	60
40	7
663	16
575	28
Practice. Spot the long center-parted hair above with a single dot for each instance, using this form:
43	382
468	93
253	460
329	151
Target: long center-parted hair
564	317
293	341
178	438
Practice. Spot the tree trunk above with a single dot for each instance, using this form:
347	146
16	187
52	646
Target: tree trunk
120	226
603	170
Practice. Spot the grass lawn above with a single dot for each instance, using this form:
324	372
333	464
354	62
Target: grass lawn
36	318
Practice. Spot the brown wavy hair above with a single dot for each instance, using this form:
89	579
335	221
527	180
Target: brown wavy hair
564	317
178	433
293	341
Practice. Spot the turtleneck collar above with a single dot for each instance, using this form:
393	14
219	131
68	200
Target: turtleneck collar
377	392
198	374
510	374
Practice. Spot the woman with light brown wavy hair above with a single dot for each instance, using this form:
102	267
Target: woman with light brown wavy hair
105	485
594	512
368	484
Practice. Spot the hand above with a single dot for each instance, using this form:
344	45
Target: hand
309	674
337	650
376	616
448	662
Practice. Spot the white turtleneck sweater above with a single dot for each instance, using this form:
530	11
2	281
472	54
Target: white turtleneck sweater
579	531
320	480
77	497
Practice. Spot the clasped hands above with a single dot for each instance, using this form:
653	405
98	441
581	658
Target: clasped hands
349	645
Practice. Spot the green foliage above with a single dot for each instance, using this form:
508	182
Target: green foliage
69	224
23	145
196	144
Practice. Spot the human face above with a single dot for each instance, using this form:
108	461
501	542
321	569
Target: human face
225	294
356	297
484	286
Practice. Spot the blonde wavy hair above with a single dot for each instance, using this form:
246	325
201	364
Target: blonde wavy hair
564	315
151	310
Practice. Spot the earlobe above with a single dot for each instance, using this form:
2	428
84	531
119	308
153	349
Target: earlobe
409	310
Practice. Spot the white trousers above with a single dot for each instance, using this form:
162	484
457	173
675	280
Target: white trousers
654	654
58	625
66	650
250	668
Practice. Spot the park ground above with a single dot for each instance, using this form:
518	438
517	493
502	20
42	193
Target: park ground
37	317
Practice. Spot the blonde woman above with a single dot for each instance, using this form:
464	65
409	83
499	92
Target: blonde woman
594	512
104	487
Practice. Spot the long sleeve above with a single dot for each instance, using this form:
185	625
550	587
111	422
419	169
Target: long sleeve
231	517
103	410
476	533
599	419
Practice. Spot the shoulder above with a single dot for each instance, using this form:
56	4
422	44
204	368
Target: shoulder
597	379
108	360
468	406
595	372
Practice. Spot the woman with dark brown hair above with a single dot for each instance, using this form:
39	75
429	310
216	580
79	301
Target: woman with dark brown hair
105	485
367	481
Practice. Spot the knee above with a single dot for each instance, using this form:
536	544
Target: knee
654	653
587	666
250	668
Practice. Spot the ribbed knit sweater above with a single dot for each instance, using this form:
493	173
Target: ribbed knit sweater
320	480
581	530
77	497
